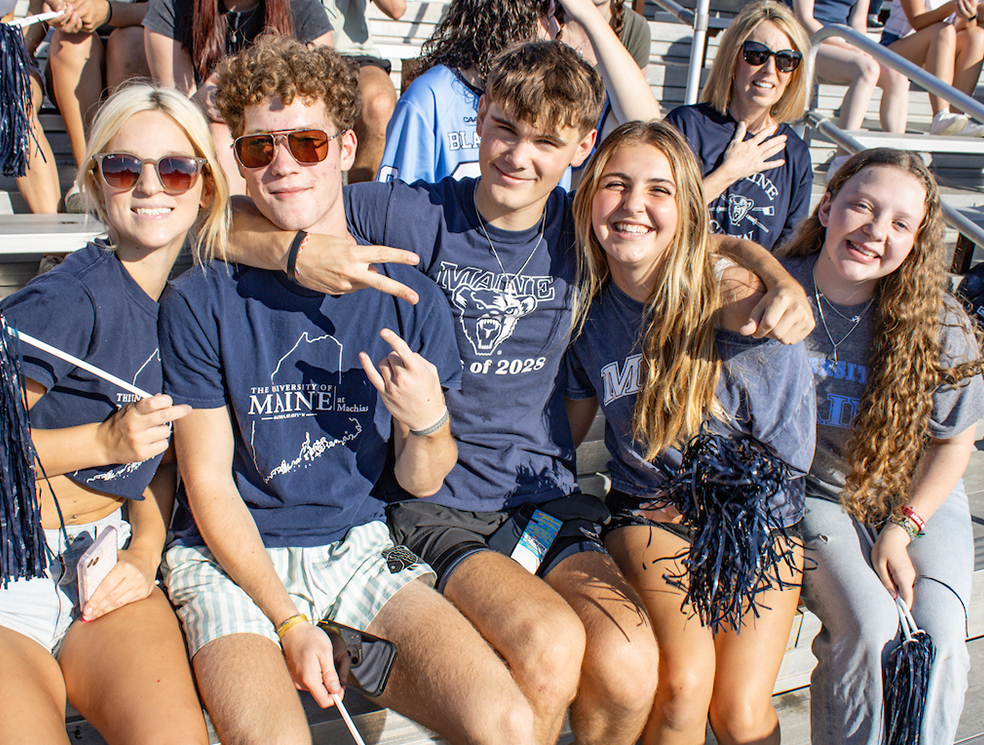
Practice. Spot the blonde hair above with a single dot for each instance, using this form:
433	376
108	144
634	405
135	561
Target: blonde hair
720	82
680	364
890	431
212	227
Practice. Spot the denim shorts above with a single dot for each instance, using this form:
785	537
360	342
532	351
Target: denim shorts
888	38
44	608
348	581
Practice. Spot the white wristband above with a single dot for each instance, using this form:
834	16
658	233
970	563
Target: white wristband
432	428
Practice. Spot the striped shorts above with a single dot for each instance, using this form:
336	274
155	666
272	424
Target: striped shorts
348	581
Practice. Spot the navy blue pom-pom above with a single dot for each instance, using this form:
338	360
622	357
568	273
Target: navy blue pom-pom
723	490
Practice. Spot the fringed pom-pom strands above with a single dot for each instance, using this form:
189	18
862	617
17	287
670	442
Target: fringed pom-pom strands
723	489
15	102
22	543
907	681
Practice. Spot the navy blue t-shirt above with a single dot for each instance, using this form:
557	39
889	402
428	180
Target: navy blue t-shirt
311	432
90	307
512	325
764	207
765	388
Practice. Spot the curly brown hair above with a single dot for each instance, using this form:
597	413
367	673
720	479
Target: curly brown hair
911	305
282	67
548	84
472	32
680	366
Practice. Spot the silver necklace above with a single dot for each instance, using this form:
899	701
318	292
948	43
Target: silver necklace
510	286
855	320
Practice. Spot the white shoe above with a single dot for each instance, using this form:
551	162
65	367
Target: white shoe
947	123
836	162
973	129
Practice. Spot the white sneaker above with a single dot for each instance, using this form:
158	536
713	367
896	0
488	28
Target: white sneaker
835	163
947	123
973	129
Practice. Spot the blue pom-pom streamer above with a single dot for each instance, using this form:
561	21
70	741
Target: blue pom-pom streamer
15	102
22	542
723	489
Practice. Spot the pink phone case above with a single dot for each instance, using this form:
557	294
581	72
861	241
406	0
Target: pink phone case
96	563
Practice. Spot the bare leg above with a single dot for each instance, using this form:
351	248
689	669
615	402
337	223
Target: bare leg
621	663
530	626
128	674
249	693
748	664
378	102
125	56
446	676
686	649
970	53
77	78
32	691
39	186
933	48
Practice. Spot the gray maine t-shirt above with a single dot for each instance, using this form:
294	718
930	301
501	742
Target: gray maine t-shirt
840	385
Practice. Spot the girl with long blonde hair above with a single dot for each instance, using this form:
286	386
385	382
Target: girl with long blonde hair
151	174
661	356
899	392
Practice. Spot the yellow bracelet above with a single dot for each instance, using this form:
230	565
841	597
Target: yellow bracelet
290	623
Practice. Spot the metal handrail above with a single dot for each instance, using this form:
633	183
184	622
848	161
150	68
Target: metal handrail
930	82
684	15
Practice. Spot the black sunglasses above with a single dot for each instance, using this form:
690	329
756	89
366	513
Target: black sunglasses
177	173
757	54
305	146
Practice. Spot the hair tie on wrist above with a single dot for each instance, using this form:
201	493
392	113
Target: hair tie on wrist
109	18
300	238
432	428
290	623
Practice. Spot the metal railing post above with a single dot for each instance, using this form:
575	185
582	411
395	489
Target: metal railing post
697	50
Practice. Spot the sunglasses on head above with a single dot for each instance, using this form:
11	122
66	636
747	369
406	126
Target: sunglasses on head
757	54
304	145
177	173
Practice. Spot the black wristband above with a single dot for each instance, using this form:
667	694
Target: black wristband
109	18
292	252
972	18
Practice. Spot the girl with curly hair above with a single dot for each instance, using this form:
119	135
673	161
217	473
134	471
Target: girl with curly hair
665	363
899	392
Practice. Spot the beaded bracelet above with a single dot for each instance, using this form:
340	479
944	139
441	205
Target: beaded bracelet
293	252
907	524
432	428
290	623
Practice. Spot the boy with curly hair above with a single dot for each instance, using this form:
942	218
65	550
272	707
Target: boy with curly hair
291	426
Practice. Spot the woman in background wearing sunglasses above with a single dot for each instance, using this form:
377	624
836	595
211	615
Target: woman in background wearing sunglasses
757	171
151	175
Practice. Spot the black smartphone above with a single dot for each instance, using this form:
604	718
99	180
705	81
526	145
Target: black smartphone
371	657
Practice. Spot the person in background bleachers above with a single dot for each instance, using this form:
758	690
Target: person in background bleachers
186	40
353	40
39	185
97	45
947	40
632	30
844	64
757	171
899	394
431	134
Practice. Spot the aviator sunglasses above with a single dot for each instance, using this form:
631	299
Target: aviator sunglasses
305	146
757	54
177	173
